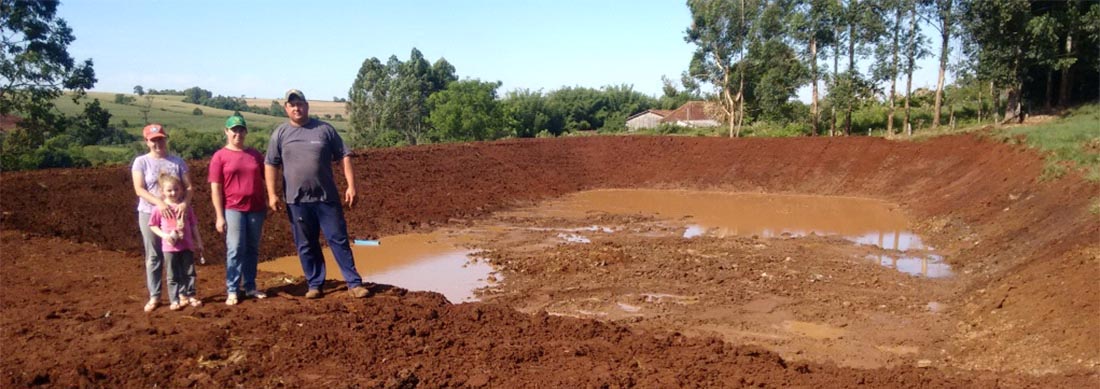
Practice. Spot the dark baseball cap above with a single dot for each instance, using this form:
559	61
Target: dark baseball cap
293	94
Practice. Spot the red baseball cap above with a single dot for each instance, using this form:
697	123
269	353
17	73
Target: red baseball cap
154	131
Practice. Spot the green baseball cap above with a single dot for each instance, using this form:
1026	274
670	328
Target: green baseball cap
235	121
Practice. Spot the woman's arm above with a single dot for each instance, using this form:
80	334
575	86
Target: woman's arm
218	199
139	189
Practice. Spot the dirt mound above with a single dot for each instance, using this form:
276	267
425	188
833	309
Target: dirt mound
1026	251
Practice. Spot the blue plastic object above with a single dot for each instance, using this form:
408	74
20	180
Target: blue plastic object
366	242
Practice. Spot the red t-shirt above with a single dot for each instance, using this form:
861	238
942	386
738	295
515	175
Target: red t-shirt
241	174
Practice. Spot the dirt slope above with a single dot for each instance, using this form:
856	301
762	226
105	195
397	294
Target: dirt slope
72	284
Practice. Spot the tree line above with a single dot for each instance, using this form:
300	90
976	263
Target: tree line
413	101
1015	54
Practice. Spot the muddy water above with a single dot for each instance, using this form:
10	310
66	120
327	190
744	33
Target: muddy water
434	262
721	214
438	262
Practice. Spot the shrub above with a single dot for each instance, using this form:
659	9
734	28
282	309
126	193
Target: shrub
196	112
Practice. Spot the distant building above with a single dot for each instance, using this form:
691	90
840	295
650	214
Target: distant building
9	122
693	114
646	119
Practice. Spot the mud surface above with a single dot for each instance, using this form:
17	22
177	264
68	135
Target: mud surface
651	310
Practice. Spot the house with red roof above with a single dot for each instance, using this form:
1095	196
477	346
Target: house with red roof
693	114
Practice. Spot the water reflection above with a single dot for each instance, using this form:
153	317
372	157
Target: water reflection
929	265
889	240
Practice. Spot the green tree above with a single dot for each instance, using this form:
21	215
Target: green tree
528	113
997	36
394	97
35	66
196	95
91	126
719	30
145	107
138	90
773	71
467	110
276	109
35	69
123	99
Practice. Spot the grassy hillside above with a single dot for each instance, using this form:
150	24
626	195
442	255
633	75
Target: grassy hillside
319	108
173	113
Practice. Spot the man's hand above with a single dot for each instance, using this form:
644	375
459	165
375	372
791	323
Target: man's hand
220	225
349	196
272	203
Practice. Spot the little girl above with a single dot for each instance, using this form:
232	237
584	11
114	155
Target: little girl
179	241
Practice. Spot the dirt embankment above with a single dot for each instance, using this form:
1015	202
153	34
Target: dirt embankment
1026	251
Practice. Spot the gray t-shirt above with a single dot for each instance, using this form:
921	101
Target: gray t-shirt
306	155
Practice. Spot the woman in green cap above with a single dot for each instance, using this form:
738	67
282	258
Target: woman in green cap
240	202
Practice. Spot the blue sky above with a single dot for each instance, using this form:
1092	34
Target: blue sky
262	48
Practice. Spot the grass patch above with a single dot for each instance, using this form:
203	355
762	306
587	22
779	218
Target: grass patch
1074	137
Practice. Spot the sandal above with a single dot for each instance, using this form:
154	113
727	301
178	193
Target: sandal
194	302
151	305
231	300
175	306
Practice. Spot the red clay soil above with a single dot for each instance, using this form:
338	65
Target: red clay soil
1026	304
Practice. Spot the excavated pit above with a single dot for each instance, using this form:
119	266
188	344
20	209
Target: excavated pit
1019	308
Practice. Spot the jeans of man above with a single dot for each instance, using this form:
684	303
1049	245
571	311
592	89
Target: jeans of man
154	258
307	220
242	248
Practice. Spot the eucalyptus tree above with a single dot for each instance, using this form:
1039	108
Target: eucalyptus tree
719	30
887	65
393	97
863	19
810	27
940	14
367	101
916	48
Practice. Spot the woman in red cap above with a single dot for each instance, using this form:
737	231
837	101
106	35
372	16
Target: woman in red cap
145	171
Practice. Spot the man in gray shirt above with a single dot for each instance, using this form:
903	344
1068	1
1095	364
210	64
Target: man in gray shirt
305	148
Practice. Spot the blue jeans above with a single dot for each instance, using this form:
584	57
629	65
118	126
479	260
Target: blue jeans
154	258
242	248
307	220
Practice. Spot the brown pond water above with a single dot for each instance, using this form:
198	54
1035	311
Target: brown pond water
442	261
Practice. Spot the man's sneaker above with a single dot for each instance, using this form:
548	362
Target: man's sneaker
152	304
359	292
313	294
231	299
256	294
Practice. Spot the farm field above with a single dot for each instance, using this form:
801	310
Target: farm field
171	111
1021	307
316	107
